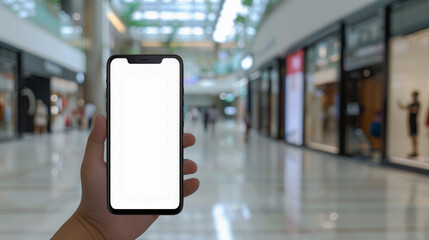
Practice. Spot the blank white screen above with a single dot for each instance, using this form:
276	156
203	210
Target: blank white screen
145	134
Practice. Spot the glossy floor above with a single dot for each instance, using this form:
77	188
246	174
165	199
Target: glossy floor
259	190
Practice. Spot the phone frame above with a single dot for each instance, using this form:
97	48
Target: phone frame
145	59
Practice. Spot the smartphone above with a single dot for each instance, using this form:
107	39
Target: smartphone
144	134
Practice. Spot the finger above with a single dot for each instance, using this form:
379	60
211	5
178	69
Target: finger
189	167
94	153
190	186
188	140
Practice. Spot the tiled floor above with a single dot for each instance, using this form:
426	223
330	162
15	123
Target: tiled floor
259	190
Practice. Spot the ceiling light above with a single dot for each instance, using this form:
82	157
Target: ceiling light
151	30
200	16
183	16
137	16
198	31
116	22
76	16
193	44
168	16
67	30
250	30
151	15
166	30
184	31
211	16
247	62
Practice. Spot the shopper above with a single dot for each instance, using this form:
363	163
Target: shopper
92	220
213	115
248	124
40	117
206	118
89	112
413	110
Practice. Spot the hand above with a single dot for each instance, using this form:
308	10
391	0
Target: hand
92	220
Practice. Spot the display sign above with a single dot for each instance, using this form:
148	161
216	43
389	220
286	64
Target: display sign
294	97
364	43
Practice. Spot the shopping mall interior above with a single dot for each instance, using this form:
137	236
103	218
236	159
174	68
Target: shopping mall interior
310	116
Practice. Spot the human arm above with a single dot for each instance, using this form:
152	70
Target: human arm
92	220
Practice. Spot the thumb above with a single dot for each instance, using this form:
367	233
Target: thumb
94	153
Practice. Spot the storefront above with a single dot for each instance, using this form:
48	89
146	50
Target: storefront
47	85
322	100
254	82
364	85
264	102
294	98
408	88
275	101
8	93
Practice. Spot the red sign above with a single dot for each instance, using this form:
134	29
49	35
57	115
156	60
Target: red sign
295	62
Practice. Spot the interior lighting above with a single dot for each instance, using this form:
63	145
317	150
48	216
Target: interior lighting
151	30
207	83
116	22
225	24
198	31
222	96
251	31
151	15
199	16
166	30
247	62
211	16
334	58
185	31
183	16
323	52
76	16
55	110
137	16
54	98
152	44
66	30
168	16
193	44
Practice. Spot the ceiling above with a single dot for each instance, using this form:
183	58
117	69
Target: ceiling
200	22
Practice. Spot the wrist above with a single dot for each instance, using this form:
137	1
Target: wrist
78	227
88	225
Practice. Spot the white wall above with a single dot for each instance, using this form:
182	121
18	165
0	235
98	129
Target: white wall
293	20
27	36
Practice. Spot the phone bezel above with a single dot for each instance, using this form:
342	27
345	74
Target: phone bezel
144	59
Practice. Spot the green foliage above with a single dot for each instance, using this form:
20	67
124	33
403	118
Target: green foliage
240	19
247	3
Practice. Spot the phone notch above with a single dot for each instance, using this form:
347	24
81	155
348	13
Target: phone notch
148	59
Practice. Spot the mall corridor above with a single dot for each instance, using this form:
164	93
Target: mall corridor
262	189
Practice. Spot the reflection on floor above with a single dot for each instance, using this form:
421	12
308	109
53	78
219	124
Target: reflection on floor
259	190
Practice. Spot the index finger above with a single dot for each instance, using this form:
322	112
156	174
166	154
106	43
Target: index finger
188	140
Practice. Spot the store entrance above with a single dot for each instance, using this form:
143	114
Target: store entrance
364	115
34	88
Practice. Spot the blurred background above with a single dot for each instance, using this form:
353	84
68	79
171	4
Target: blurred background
311	116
